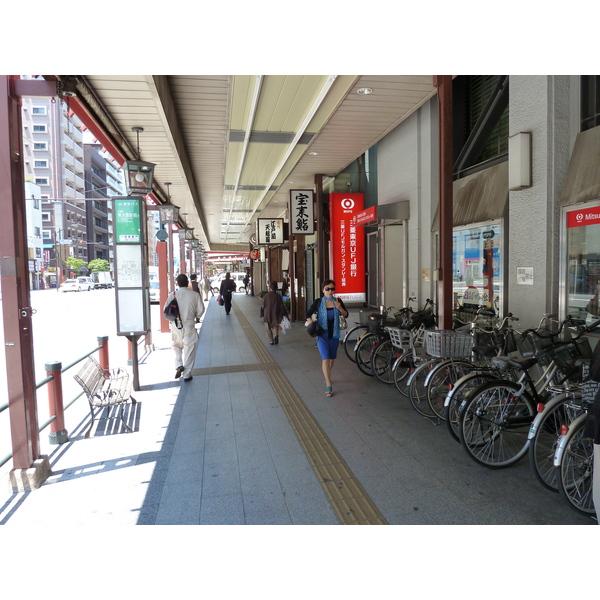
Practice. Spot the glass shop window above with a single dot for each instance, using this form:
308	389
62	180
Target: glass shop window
476	268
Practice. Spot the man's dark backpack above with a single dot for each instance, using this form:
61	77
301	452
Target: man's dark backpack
172	313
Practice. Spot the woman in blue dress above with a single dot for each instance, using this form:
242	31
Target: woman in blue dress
328	310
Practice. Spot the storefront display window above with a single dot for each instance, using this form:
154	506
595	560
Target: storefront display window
477	268
581	270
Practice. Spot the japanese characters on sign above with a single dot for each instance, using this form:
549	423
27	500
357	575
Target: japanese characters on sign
302	219
269	231
347	246
127	220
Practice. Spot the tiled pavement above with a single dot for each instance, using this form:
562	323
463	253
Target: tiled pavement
220	449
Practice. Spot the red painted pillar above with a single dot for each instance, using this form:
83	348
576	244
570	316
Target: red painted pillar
444	86
161	250
171	260
16	310
58	434
182	261
103	352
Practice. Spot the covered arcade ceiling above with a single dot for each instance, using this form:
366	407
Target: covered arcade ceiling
232	146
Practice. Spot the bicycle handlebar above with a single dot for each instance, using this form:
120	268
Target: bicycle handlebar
569	320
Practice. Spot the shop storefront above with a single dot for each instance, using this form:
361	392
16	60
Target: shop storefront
580	261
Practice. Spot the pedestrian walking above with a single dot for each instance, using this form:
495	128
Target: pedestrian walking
247	284
184	340
194	283
195	288
328	309
274	311
227	288
207	287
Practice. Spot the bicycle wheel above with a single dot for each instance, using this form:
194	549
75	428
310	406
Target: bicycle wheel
417	394
442	379
575	473
351	340
495	422
545	438
382	361
364	352
402	369
457	398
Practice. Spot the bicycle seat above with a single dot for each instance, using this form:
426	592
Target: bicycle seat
507	362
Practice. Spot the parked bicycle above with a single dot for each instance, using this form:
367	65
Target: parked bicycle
503	340
398	350
405	319
445	357
497	416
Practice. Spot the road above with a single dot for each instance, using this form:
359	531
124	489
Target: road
65	327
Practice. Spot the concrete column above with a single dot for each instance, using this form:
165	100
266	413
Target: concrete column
540	105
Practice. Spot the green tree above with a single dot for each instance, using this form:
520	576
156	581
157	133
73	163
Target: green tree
73	264
98	264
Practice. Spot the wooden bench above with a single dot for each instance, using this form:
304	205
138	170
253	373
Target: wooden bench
104	388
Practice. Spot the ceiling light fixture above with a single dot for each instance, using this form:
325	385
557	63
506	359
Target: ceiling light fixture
364	91
313	154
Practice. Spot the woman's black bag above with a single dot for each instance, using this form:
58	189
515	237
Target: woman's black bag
314	329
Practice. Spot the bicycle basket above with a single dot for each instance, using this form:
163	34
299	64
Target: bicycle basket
423	317
564	356
534	343
400	338
485	339
363	316
377	322
448	344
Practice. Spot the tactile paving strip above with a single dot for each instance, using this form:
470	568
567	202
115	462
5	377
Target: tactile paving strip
347	497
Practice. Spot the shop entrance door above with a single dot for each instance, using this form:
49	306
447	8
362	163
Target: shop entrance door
372	269
309	262
580	262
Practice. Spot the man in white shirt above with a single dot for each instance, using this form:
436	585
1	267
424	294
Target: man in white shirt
184	340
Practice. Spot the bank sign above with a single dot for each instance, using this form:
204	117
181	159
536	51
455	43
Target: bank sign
347	246
581	218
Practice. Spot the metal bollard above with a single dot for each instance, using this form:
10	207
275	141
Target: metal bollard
58	434
103	352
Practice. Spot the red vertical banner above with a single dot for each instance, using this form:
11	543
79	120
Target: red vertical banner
347	246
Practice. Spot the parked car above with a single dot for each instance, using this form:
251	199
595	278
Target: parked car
154	292
69	285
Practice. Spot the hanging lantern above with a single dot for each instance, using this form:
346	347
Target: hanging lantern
139	176
169	213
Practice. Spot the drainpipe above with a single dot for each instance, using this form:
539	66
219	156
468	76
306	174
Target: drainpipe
321	250
444	86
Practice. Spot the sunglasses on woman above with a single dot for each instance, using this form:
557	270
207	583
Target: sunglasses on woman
329	289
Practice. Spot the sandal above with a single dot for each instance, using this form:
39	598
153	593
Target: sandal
329	391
